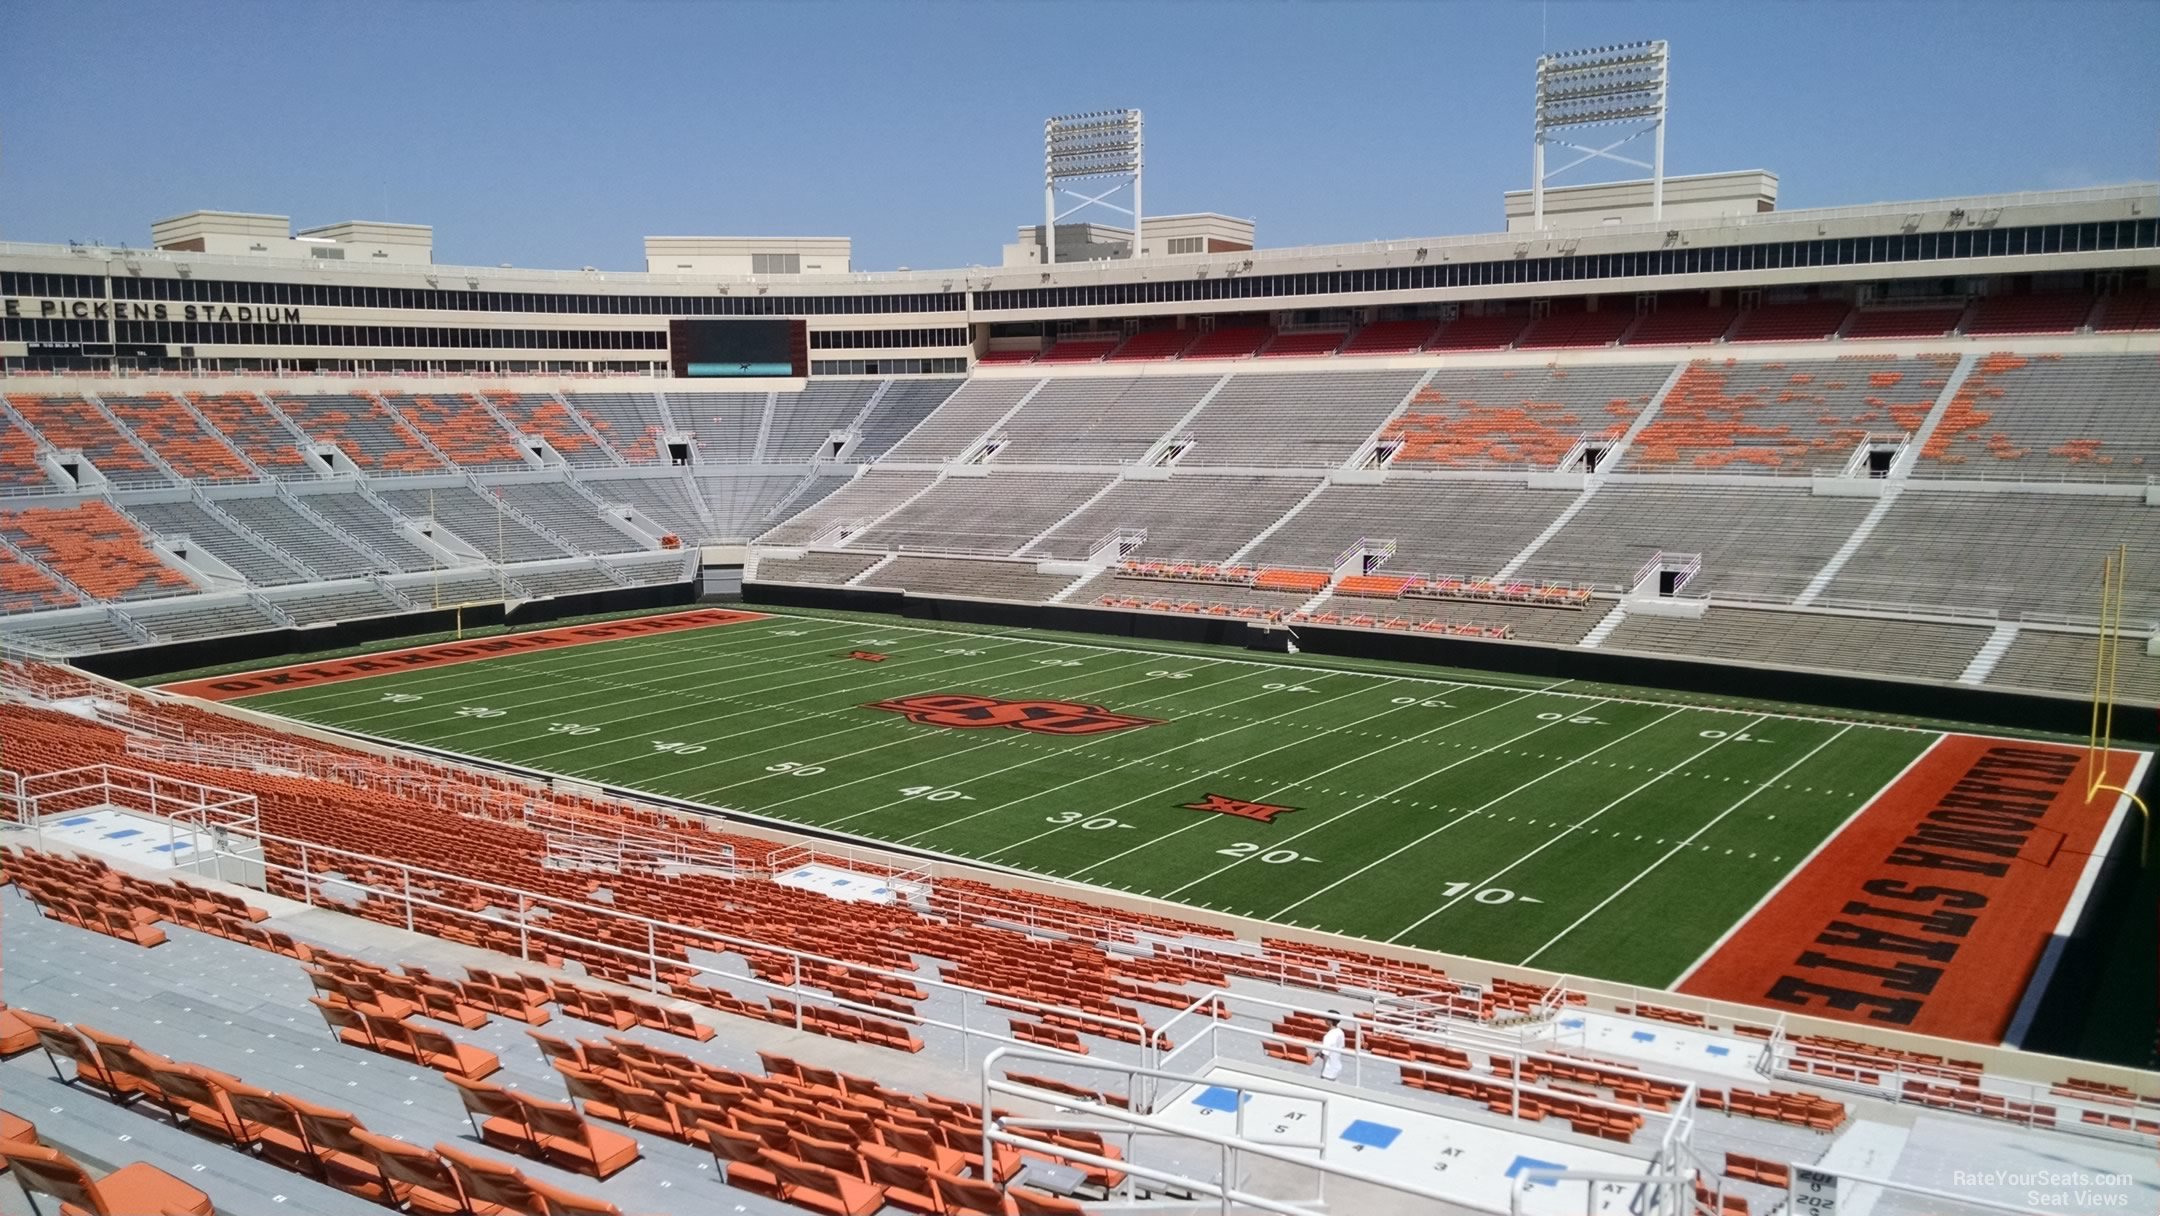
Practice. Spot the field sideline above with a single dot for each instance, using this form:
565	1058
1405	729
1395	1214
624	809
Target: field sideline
1592	834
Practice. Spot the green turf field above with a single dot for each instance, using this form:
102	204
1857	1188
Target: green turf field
1595	833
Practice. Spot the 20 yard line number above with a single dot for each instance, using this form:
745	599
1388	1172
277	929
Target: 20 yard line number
1274	857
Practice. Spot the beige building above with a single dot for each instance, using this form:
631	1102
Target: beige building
249	234
748	255
1704	196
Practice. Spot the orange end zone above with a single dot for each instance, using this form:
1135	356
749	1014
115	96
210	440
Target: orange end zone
302	675
1932	910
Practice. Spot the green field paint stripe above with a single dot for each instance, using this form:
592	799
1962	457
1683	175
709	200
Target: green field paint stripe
1690	839
576	698
1487	881
1488	680
680	701
1057	754
993	741
1279	789
877	724
1129	763
485	674
1473	812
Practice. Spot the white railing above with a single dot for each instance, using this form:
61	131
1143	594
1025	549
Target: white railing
410	895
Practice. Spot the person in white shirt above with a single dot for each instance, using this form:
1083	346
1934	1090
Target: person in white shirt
1331	1048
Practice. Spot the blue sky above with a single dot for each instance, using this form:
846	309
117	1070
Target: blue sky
558	134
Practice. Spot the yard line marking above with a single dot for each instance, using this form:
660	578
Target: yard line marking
573	684
1440	680
870	724
1572	828
1473	812
1803	863
993	740
673	702
887	673
1682	846
1215	772
1130	763
1498	705
501	669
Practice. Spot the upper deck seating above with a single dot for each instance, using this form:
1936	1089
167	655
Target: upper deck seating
1793	321
1459	528
1079	348
73	424
210	531
1495	417
25	588
365	522
961	419
1886	646
802	421
1192	517
1764	544
1304	345
1230	342
480	521
2057	313
242	419
275	520
1098	420
1790	418
988	580
2010	551
1286	419
568	514
630	423
905	404
665	500
2128	312
825	568
1391	337
1152	344
1903	321
1004	358
19	467
1680	324
543	415
741	502
994	514
854	505
725	424
2074	417
1494	331
92	546
1564	330
459	427
166	426
362	428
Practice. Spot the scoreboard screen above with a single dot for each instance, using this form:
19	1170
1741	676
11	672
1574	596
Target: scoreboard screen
702	347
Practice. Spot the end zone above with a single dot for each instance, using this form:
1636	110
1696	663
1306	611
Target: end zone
305	675
1934	908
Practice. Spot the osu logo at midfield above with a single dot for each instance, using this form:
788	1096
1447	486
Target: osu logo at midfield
967	711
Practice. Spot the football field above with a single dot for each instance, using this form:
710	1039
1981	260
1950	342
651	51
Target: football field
1521	822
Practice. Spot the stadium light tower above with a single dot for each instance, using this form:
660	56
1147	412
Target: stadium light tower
1089	147
1601	87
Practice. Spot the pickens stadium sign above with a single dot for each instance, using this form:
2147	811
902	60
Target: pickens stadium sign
145	310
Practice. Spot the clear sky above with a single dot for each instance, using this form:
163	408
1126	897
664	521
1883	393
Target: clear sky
557	134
